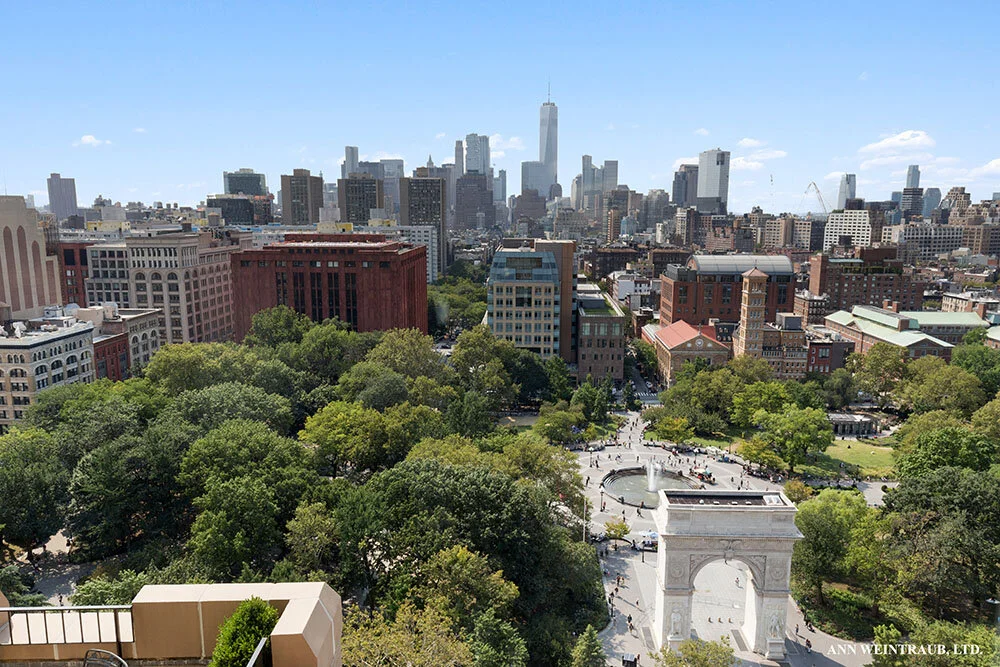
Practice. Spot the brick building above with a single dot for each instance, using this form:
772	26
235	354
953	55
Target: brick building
601	336
362	279
73	271
680	342
708	287
873	275
602	261
864	326
125	338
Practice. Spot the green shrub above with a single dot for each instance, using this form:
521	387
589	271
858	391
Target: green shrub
239	635
847	600
102	589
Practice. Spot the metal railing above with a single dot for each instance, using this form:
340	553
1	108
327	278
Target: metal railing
262	654
94	624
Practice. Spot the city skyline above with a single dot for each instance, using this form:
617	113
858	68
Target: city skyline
126	127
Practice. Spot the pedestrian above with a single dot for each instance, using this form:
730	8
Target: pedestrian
737	582
796	629
60	600
588	480
809	646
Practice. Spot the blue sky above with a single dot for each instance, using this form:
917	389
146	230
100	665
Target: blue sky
153	100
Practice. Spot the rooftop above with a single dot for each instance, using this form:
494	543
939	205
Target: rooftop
769	264
681	332
725	498
884	332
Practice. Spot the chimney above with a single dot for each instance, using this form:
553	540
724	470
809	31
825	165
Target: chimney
888	304
980	309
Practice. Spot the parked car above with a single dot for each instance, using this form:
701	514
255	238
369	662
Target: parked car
598	537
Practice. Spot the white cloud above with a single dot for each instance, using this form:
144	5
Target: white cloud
744	164
684	160
991	168
887	160
769	154
863	76
439	135
498	143
747	142
833	176
90	140
907	140
611	127
496	155
702	132
382	155
139	130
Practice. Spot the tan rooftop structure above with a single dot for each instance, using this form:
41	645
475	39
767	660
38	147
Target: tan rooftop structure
176	625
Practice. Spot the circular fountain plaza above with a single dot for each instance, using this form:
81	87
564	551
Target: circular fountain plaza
638	486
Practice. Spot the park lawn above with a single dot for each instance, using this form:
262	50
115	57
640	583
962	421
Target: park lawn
873	461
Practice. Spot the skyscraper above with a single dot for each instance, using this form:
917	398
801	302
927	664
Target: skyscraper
913	176
244	182
610	180
848	190
548	143
350	165
534	176
932	200
686	186
423	201
474	202
500	186
301	198
477	154
713	181
587	174
62	196
459	159
357	196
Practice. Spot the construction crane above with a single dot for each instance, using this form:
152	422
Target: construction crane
819	195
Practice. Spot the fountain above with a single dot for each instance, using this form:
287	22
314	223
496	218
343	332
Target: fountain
628	484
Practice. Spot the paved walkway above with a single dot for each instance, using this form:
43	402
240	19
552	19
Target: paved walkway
716	594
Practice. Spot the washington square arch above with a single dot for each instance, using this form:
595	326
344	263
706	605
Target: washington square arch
698	527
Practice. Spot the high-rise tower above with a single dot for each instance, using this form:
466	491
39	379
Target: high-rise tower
62	196
713	181
913	176
548	142
477	154
848	189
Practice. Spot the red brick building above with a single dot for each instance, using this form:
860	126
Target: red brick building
111	356
868	278
361	279
73	271
709	287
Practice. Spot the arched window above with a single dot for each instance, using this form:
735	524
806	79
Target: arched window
18	373
41	370
140	276
55	364
171	276
155	276
71	359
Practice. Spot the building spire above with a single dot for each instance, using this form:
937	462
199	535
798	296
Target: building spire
548	96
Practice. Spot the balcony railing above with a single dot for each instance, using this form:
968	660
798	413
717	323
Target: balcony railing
102	624
262	654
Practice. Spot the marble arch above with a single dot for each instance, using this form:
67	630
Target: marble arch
698	527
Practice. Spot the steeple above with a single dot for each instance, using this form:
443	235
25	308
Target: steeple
430	162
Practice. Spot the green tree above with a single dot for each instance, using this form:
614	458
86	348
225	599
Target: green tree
758	451
795	433
645	354
713	391
33	487
559	380
415	638
976	336
346	434
767	396
922	422
592	402
384	392
697	653
986	420
462	585
750	369
559	427
616	529
211	406
949	635
470	416
887	635
982	362
826	522
950	446
328	349
236	527
240	633
242	448
311	537
629	399
497	643
944	539
191	366
405	425
104	590
273	326
17	588
425	391
840	389
529	373
931	384
411	354
878	371
797	491
588	651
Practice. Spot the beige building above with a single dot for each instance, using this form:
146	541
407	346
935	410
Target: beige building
45	352
782	344
189	277
28	277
